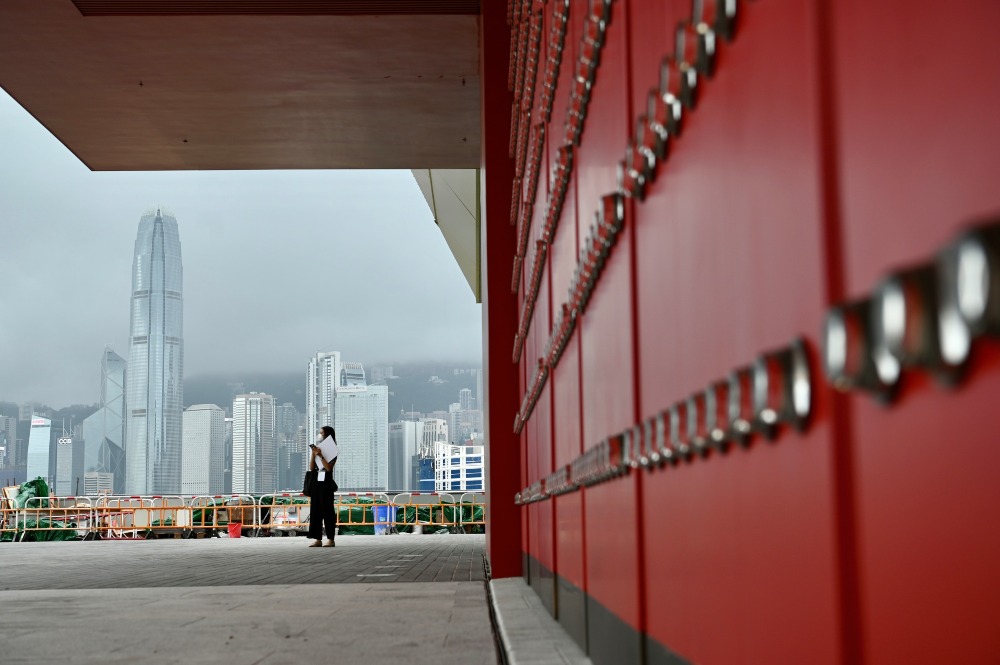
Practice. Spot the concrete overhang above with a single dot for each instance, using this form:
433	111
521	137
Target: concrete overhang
455	200
325	88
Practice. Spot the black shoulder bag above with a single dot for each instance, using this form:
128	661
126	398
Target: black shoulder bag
309	483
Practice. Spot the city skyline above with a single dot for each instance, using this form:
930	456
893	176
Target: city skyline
239	228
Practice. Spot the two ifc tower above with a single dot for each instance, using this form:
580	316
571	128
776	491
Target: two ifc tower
154	390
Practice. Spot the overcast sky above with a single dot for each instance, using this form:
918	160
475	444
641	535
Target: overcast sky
277	265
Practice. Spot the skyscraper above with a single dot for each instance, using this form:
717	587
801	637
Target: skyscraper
479	391
68	478
8	441
39	446
435	429
104	430
404	439
322	379
203	455
155	382
291	455
255	460
465	399
362	424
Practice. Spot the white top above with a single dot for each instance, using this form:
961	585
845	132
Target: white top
330	451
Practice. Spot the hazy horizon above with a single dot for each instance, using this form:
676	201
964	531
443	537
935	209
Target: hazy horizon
277	266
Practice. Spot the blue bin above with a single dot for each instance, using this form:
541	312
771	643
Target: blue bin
385	516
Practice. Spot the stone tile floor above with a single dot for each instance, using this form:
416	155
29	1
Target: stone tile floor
371	599
240	561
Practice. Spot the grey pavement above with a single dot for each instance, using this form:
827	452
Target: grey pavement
269	601
529	634
371	599
240	561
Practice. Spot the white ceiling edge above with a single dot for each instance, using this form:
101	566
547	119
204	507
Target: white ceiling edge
453	197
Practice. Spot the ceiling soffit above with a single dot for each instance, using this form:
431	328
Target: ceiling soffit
247	91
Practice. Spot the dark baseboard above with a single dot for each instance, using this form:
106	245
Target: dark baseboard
572	610
606	638
657	654
611	640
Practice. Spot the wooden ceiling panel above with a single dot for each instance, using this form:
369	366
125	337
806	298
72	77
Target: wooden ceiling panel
247	91
279	7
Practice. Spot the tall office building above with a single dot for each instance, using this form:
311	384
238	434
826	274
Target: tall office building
435	429
227	482
68	479
286	419
104	430
362	424
465	399
479	390
454	420
255	460
404	439
322	379
39	446
8	441
352	375
203	446
155	381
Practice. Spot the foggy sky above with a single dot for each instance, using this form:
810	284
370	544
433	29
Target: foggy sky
277	265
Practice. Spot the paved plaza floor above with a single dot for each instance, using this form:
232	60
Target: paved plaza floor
372	599
121	564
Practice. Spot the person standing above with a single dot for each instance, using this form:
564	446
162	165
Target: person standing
323	512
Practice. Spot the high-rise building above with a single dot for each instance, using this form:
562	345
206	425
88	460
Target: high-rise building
454	420
465	399
362	425
435	430
458	468
479	390
286	419
404	439
255	461
155	381
39	446
104	430
227	482
8	441
69	466
352	375
203	445
322	379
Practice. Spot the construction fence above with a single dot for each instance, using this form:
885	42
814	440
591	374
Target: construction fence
43	518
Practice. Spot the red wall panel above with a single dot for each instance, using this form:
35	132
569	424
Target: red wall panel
730	264
917	96
836	141
504	464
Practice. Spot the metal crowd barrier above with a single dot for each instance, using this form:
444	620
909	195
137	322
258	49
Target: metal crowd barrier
279	514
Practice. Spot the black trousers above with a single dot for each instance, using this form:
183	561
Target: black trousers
323	511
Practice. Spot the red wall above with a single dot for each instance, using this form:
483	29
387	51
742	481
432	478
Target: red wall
834	142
